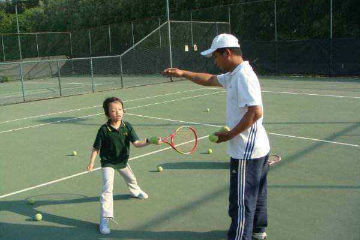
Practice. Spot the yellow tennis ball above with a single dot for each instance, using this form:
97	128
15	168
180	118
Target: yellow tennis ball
153	140
213	138
38	217
225	129
74	153
31	201
159	168
208	109
210	151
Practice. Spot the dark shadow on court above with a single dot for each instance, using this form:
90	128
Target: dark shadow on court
316	145
77	229
196	165
90	231
313	187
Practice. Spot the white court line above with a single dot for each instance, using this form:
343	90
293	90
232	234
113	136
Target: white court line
150	153
276	134
79	109
96	114
311	94
85	172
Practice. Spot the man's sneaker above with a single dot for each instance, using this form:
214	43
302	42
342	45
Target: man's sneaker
104	225
141	195
259	236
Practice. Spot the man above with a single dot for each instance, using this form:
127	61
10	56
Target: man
248	144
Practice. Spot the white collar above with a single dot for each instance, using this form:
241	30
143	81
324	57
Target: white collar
239	67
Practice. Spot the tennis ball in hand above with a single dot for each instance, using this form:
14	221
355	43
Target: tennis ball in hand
74	153
38	217
153	140
210	151
31	201
159	169
213	138
225	129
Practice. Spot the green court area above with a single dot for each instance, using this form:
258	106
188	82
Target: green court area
314	193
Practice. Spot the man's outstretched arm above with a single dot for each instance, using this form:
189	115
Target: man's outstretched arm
204	79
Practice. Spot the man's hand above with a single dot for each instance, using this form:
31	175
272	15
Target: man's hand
223	136
173	72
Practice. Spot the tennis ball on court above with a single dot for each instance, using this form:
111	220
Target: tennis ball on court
31	201
74	153
225	129
210	151
208	109
213	138
159	168
38	217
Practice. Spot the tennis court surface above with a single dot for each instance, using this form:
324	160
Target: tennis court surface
314	193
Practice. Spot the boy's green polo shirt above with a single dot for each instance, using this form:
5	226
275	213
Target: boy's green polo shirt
114	145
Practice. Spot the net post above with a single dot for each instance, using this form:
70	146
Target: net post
169	33
92	75
22	81
110	38
59	77
3	47
121	72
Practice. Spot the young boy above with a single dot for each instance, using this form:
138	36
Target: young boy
113	142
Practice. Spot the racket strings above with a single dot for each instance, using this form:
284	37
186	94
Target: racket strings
184	140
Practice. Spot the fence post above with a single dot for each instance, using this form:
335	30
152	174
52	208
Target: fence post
121	73
160	31
229	19
110	38
37	45
169	32
90	42
276	38
22	81
71	54
92	75
3	47
132	33
59	78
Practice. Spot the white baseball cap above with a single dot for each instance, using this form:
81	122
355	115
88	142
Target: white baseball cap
223	40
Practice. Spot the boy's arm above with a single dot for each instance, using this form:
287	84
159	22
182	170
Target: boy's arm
93	156
203	79
146	142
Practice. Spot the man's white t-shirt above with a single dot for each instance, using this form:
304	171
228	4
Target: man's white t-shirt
243	90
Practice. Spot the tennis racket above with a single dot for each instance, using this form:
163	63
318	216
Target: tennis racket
273	159
183	140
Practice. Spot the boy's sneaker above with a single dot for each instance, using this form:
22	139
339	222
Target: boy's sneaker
104	225
259	236
141	195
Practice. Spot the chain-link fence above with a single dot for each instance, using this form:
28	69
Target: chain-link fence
140	64
277	37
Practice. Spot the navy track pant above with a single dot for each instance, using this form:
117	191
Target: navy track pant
247	199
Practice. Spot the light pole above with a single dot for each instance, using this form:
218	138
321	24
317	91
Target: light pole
17	24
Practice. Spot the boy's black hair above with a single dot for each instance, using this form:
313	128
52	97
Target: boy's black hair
236	50
107	102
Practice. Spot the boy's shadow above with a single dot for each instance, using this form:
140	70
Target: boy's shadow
70	228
